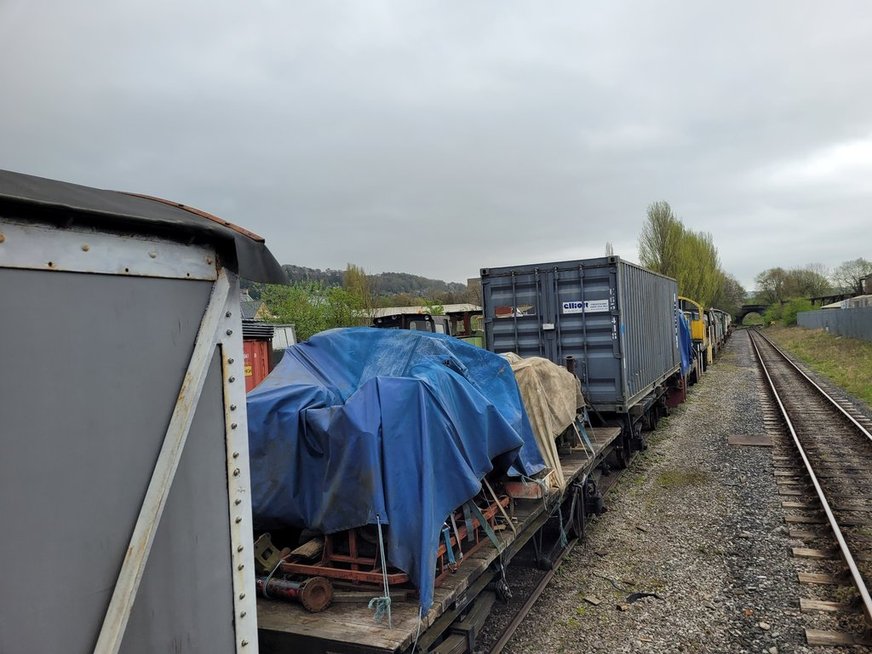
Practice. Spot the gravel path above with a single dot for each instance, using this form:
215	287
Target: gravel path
694	520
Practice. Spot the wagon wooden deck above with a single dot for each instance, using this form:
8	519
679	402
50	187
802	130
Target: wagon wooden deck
349	626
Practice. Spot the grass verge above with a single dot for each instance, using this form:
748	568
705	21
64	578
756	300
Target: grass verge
846	362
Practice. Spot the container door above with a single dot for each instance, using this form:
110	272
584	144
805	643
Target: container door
517	309
586	326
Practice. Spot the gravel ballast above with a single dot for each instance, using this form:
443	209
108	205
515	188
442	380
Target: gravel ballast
694	520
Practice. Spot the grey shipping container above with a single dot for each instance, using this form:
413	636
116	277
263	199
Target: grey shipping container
616	318
124	483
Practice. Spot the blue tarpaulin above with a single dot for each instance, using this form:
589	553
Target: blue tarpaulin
685	343
358	423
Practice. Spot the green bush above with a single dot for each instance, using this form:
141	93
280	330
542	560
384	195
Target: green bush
785	313
772	315
794	306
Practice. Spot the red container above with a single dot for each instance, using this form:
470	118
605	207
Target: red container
256	362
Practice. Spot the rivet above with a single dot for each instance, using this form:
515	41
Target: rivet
239	548
153	254
51	264
238	520
209	260
233	407
244	643
231	379
85	247
230	360
236	455
241	595
229	332
240	566
243	614
237	502
233	425
236	472
228	314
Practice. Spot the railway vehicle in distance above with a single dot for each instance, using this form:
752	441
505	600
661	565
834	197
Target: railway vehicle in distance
719	323
699	333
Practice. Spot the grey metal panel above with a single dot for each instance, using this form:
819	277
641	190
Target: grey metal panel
853	323
91	366
624	338
185	603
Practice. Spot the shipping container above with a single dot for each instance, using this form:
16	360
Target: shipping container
257	338
125	481
615	318
256	362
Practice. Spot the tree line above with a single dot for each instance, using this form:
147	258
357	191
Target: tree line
314	302
668	247
812	280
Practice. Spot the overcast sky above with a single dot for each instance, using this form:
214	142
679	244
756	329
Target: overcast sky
441	137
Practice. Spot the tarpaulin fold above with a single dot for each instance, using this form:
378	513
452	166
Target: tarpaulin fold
403	425
685	343
552	397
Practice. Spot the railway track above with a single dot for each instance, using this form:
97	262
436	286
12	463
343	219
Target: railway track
825	478
527	583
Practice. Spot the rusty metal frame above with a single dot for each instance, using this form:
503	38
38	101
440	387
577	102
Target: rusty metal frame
346	567
218	316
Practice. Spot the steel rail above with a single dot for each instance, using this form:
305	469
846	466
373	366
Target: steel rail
816	386
831	518
531	600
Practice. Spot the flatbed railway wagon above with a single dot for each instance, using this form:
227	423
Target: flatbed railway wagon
125	480
323	488
615	319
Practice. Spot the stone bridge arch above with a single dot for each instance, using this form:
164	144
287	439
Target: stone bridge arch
750	308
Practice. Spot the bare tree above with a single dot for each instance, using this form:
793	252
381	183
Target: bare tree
850	274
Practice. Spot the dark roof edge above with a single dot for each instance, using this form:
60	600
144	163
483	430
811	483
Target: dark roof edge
144	214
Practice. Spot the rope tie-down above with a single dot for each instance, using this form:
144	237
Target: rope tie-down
382	605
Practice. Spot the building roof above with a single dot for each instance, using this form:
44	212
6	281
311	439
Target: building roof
53	201
446	309
250	308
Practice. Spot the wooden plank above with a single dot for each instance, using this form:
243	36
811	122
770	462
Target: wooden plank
749	440
807	535
791	492
805	520
818	637
310	549
818	578
811	553
603	435
788	504
821	605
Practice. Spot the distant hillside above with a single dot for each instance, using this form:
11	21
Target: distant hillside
385	284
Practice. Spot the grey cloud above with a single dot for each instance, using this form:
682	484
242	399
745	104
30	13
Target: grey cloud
439	137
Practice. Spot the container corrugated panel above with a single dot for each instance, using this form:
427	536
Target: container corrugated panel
616	318
256	362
